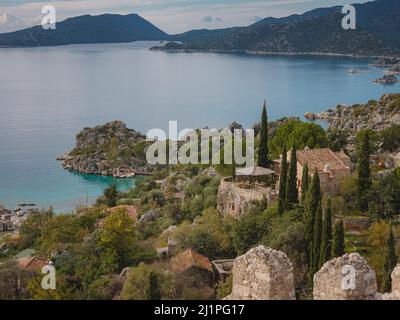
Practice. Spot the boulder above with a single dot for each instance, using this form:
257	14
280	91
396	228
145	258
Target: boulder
262	274
150	215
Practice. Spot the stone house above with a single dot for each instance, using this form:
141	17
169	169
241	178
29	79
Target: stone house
32	264
194	268
331	166
6	225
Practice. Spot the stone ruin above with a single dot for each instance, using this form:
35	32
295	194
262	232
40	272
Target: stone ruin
262	274
266	274
346	278
395	294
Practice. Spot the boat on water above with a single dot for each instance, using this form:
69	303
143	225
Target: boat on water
353	70
23	204
394	70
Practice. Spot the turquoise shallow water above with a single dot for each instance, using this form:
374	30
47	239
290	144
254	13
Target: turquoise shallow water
47	95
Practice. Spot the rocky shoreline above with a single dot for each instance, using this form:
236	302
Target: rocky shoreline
374	115
109	150
382	60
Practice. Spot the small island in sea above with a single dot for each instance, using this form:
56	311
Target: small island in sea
110	150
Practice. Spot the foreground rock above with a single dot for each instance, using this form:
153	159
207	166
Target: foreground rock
395	294
262	274
111	150
266	274
346	278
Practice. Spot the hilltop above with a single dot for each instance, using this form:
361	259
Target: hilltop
317	31
106	28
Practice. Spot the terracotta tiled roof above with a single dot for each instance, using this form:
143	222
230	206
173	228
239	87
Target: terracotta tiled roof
32	264
188	259
319	158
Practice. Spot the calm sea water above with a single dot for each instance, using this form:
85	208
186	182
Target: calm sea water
47	95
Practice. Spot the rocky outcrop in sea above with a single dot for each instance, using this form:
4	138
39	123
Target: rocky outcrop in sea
110	150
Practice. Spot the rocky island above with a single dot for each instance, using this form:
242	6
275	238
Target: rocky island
110	150
387	79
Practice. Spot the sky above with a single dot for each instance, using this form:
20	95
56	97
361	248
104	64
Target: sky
172	16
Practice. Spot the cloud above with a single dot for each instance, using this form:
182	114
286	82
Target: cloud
209	19
255	19
9	23
173	16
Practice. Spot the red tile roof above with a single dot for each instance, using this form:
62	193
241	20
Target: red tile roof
32	264
188	259
319	158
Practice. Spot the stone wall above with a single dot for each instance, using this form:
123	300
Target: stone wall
262	274
235	201
267	274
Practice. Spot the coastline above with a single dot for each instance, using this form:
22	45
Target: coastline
282	53
249	52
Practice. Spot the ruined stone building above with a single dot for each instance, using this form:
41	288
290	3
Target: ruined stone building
237	197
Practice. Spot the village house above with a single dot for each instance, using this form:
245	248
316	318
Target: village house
6	225
332	167
194	268
32	264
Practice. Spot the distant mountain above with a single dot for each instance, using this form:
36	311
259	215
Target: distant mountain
9	23
106	28
316	31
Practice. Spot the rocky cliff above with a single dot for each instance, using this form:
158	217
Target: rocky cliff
111	149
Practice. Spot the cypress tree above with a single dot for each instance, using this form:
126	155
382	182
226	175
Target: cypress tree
292	194
338	240
304	183
110	195
283	181
326	244
317	240
263	160
364	173
153	291
390	262
312	206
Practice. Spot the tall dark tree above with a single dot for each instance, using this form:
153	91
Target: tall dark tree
312	205
338	240
390	262
263	159
153	291
283	181
317	241
364	173
110	195
326	244
292	195
305	181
